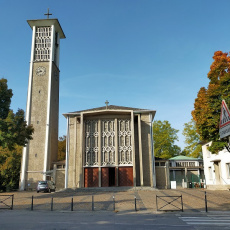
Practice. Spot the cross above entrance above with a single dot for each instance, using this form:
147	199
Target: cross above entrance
106	104
48	14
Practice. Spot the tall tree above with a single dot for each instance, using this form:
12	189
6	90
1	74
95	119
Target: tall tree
14	133
207	106
164	137
192	140
13	128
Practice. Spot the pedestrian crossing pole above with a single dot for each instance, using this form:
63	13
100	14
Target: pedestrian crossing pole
206	203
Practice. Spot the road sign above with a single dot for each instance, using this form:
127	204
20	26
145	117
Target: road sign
224	120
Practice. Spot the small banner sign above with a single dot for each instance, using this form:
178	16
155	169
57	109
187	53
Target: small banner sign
224	120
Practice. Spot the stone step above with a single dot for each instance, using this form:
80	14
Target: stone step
218	187
106	189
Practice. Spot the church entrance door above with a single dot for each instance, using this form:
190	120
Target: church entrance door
108	177
111	177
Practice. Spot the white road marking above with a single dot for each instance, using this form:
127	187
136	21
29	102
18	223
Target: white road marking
209	220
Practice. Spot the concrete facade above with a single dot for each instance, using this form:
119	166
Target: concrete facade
95	135
162	173
42	103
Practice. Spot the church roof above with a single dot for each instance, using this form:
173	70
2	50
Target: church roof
47	22
112	107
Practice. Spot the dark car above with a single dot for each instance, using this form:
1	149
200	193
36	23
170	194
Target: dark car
45	186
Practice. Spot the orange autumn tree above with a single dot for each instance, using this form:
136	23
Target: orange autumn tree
207	106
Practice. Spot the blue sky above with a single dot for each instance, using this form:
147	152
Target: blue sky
152	54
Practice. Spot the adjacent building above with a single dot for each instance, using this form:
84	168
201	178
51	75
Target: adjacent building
183	171
216	168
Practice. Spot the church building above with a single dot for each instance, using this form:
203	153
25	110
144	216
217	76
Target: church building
106	146
109	146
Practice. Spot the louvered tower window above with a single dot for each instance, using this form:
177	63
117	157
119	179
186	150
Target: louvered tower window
42	44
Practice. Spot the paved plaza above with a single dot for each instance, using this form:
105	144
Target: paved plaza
121	200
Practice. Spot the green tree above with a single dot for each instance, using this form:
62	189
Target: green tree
207	106
10	163
164	137
192	140
5	98
13	128
61	148
14	133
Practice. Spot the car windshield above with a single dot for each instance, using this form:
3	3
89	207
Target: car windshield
42	182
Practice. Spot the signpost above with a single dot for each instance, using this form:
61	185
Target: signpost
224	120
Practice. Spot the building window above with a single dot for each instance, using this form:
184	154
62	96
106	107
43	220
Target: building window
228	169
210	173
42	44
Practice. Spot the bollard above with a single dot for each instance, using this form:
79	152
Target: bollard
206	203
182	208
32	203
113	203
52	202
72	204
92	203
12	205
156	203
135	201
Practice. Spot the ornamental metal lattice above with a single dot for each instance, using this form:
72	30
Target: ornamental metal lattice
91	143
124	142
108	142
42	44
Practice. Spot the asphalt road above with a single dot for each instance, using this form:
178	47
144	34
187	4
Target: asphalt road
39	220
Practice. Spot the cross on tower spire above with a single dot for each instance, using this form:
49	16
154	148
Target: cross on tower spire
48	14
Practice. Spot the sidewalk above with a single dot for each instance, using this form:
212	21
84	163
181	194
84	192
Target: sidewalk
123	199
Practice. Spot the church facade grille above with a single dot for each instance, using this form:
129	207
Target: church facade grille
108	143
91	143
124	142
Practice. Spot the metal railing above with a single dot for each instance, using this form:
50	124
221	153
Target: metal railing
6	201
85	203
169	203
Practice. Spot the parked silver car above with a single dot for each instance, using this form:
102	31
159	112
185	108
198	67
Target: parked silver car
45	186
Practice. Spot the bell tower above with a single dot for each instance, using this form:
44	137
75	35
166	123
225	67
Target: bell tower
42	101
